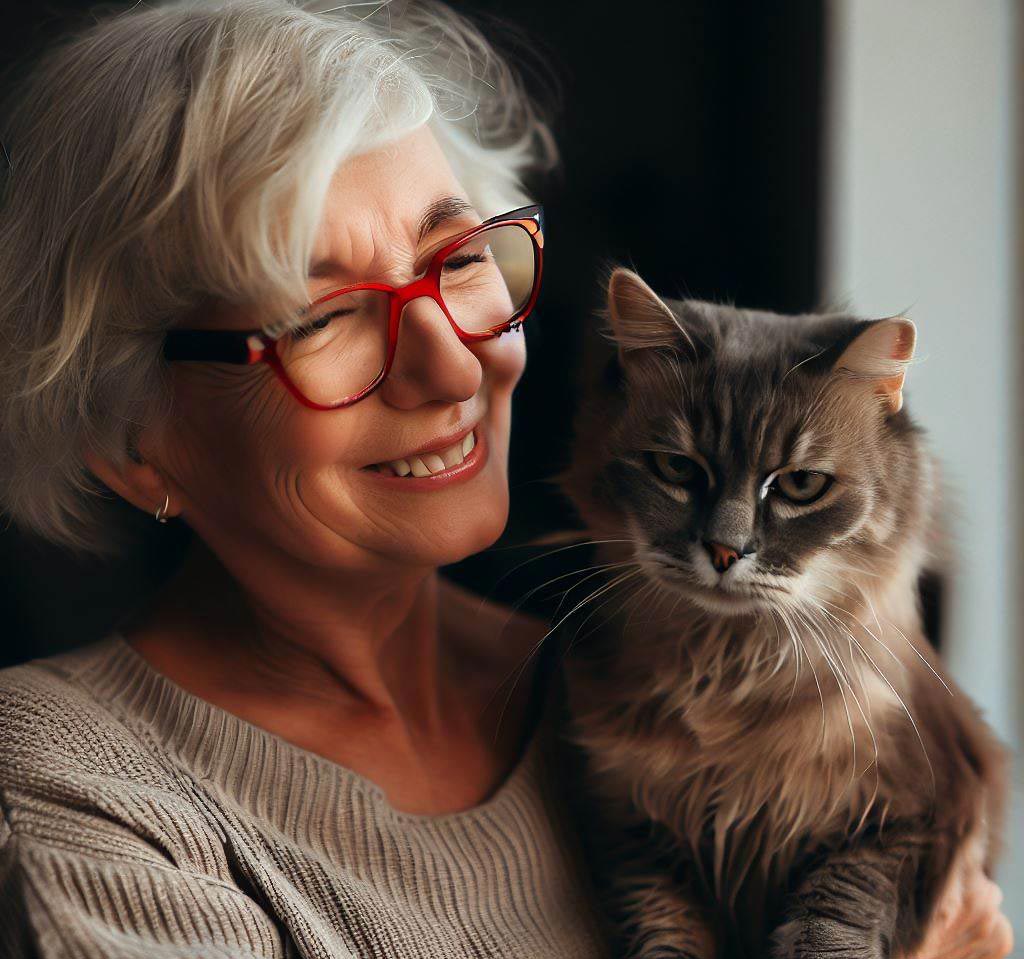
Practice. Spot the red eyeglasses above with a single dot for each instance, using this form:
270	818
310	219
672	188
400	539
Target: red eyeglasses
484	280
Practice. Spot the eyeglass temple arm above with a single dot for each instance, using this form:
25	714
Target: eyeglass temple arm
224	346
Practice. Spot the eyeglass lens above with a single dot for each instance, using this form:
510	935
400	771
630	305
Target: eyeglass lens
342	346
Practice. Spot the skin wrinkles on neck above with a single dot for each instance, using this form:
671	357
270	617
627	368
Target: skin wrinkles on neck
407	674
310	603
375	649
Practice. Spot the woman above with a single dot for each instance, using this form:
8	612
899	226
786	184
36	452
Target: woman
307	743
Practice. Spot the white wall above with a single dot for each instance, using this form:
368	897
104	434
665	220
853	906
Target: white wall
920	216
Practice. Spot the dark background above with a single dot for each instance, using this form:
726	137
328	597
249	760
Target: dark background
691	140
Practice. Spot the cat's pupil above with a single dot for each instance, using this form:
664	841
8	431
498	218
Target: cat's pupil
801	479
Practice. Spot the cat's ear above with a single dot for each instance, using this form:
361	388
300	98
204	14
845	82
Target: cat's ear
639	318
880	353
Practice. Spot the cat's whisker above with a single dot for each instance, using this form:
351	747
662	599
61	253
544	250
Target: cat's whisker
598	570
756	515
885	679
822	643
517	673
921	657
864	715
796	652
648	587
526	596
534	559
597	608
779	654
917	652
837	564
634	598
867	630
838	624
801	363
824	718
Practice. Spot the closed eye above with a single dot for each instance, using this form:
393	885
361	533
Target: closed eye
315	326
458	262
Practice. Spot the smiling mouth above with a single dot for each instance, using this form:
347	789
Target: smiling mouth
427	464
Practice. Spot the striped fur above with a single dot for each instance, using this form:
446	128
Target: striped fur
777	764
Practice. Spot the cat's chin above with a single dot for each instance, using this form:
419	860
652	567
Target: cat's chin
718	600
724	602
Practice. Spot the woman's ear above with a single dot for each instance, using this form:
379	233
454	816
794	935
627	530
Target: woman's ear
138	482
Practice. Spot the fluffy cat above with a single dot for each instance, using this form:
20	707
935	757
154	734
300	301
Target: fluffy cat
776	762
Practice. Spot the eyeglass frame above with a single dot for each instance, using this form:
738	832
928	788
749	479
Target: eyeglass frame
257	345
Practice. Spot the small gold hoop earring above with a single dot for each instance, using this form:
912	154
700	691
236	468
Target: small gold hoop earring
161	511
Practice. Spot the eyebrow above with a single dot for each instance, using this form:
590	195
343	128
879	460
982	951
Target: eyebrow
442	210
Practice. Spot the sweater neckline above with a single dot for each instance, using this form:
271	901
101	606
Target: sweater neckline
241	756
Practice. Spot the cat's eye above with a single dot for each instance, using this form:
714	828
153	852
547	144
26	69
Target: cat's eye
675	468
802	486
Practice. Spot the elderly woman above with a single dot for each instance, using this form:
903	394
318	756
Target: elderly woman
263	270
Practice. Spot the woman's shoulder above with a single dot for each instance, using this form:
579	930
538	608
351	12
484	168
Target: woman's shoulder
55	729
76	774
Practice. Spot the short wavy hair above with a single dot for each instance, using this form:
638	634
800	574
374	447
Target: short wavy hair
182	150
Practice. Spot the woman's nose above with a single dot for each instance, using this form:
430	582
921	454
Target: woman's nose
431	362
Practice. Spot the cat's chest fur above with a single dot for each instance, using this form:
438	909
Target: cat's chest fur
722	741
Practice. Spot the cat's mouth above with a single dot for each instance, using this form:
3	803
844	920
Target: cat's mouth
726	597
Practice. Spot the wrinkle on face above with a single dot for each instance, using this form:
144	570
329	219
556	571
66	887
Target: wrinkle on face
247	452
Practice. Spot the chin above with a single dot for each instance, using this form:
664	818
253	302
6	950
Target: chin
453	537
717	600
724	602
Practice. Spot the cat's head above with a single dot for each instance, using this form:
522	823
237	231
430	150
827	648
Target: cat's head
752	460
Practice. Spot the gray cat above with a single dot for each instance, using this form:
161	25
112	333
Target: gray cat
777	764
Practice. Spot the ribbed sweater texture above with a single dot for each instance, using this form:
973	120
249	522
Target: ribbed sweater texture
138	821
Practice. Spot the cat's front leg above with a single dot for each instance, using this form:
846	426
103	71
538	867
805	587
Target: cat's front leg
847	908
654	915
657	919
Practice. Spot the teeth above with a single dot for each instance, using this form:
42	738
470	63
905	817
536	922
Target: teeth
430	463
452	456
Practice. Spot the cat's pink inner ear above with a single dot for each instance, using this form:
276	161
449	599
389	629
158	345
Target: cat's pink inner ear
881	354
640	319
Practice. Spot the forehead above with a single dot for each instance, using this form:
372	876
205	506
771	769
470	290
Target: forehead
385	190
744	417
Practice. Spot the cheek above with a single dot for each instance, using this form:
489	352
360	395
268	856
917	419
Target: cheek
503	359
224	422
795	539
666	522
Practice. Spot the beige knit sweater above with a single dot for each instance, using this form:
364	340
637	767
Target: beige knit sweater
140	821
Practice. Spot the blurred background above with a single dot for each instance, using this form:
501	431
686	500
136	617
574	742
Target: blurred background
786	156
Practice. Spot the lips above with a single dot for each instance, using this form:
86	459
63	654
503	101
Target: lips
439	455
386	478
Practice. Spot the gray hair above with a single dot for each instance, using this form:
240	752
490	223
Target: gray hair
182	150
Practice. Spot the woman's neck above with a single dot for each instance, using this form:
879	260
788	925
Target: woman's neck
373	644
412	688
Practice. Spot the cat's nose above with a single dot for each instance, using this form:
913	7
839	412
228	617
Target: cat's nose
722	556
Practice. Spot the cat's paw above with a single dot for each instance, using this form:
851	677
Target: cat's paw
819	938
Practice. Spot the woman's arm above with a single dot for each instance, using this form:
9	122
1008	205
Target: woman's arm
113	897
